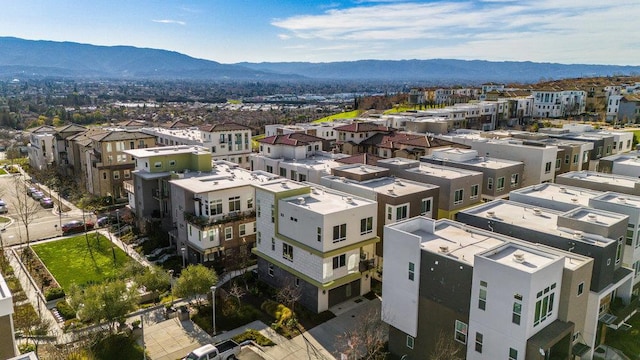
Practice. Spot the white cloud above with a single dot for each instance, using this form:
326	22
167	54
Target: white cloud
576	31
168	21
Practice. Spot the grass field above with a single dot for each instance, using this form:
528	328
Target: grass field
72	261
627	341
342	115
4	219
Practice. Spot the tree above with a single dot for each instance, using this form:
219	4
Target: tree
25	208
447	349
154	279
366	339
194	281
237	292
288	295
109	302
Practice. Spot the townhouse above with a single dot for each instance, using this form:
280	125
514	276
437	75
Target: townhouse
499	176
322	130
493	296
551	103
459	188
8	347
41	147
63	154
316	239
629	109
601	181
627	164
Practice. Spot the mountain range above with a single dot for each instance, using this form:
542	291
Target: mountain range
21	58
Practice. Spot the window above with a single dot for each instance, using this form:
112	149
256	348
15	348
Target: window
319	233
215	207
514	180
619	251
258	208
402	212
412	271
283	172
575	158
566	158
366	226
630	231
297	282
474	191
287	251
482	297
127	174
259	237
250	203
461	332
339	233
270	169
425	206
585	156
116	175
500	184
517	309
228	233
273	244
339	261
273	213
234	203
478	342
457	197
410	341
489	183
270	270
242	229
513	354
104	175
547	167
544	304
580	288
294	175
157	164
213	149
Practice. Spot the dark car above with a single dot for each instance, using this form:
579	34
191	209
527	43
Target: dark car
46	203
105	220
75	226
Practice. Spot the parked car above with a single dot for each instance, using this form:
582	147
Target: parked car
226	350
31	190
3	207
105	220
37	195
46	202
75	226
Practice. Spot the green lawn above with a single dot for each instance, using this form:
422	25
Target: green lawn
4	219
626	341
72	261
3	172
342	115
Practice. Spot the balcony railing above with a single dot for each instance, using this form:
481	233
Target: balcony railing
207	221
366	265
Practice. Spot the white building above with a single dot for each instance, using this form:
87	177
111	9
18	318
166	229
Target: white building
558	103
41	147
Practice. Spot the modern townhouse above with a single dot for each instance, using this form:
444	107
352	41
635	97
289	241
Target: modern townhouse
215	214
398	199
317	239
590	232
103	166
550	103
629	109
554	196
493	296
613	107
41	147
8	346
626	164
296	156
63	155
148	190
459	188
499	176
601	181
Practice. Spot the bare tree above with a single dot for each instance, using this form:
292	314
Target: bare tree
237	292
289	295
366	339
447	349
25	207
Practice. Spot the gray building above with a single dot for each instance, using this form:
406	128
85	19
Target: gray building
601	182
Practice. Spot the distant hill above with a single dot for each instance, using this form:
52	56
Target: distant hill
29	58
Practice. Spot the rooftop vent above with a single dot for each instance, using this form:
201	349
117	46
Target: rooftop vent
390	191
577	234
537	211
444	249
350	200
622	199
301	200
491	214
563	189
592	217
518	257
399	183
574	200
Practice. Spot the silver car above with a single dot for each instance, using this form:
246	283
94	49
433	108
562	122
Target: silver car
3	207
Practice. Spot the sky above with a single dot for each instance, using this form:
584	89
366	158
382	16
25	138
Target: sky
231	31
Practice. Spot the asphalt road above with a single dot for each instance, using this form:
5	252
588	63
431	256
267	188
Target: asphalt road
46	223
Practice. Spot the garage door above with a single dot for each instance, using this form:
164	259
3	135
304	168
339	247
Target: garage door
344	293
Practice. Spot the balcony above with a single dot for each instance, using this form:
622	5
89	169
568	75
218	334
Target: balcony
366	265
621	312
160	194
203	222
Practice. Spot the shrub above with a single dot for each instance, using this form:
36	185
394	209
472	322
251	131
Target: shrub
54	293
25	348
65	310
279	312
254	335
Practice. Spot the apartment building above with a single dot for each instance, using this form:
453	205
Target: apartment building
8	346
148	190
63	154
398	199
601	181
215	214
492	295
41	147
550	103
627	164
590	232
459	188
499	176
317	239
629	109
322	130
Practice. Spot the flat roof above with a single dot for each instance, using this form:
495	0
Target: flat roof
470	157
387	185
323	200
595	216
165	150
361	169
620	199
535	218
222	176
602	178
441	171
561	193
281	185
520	257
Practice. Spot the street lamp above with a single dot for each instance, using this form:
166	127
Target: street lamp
144	352
171	284
213	305
183	249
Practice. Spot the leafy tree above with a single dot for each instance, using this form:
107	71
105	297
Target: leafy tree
154	279
109	302
194	281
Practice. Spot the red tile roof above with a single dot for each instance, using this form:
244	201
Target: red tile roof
362	158
292	139
226	126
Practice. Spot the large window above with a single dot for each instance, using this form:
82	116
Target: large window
339	233
215	207
619	250
234	203
517	309
513	354
410	341
457	197
474	191
500	184
425	206
270	270
228	233
482	296
402	212
339	261
242	229
630	231
461	332
514	180
544	304
287	251
366	225
283	172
